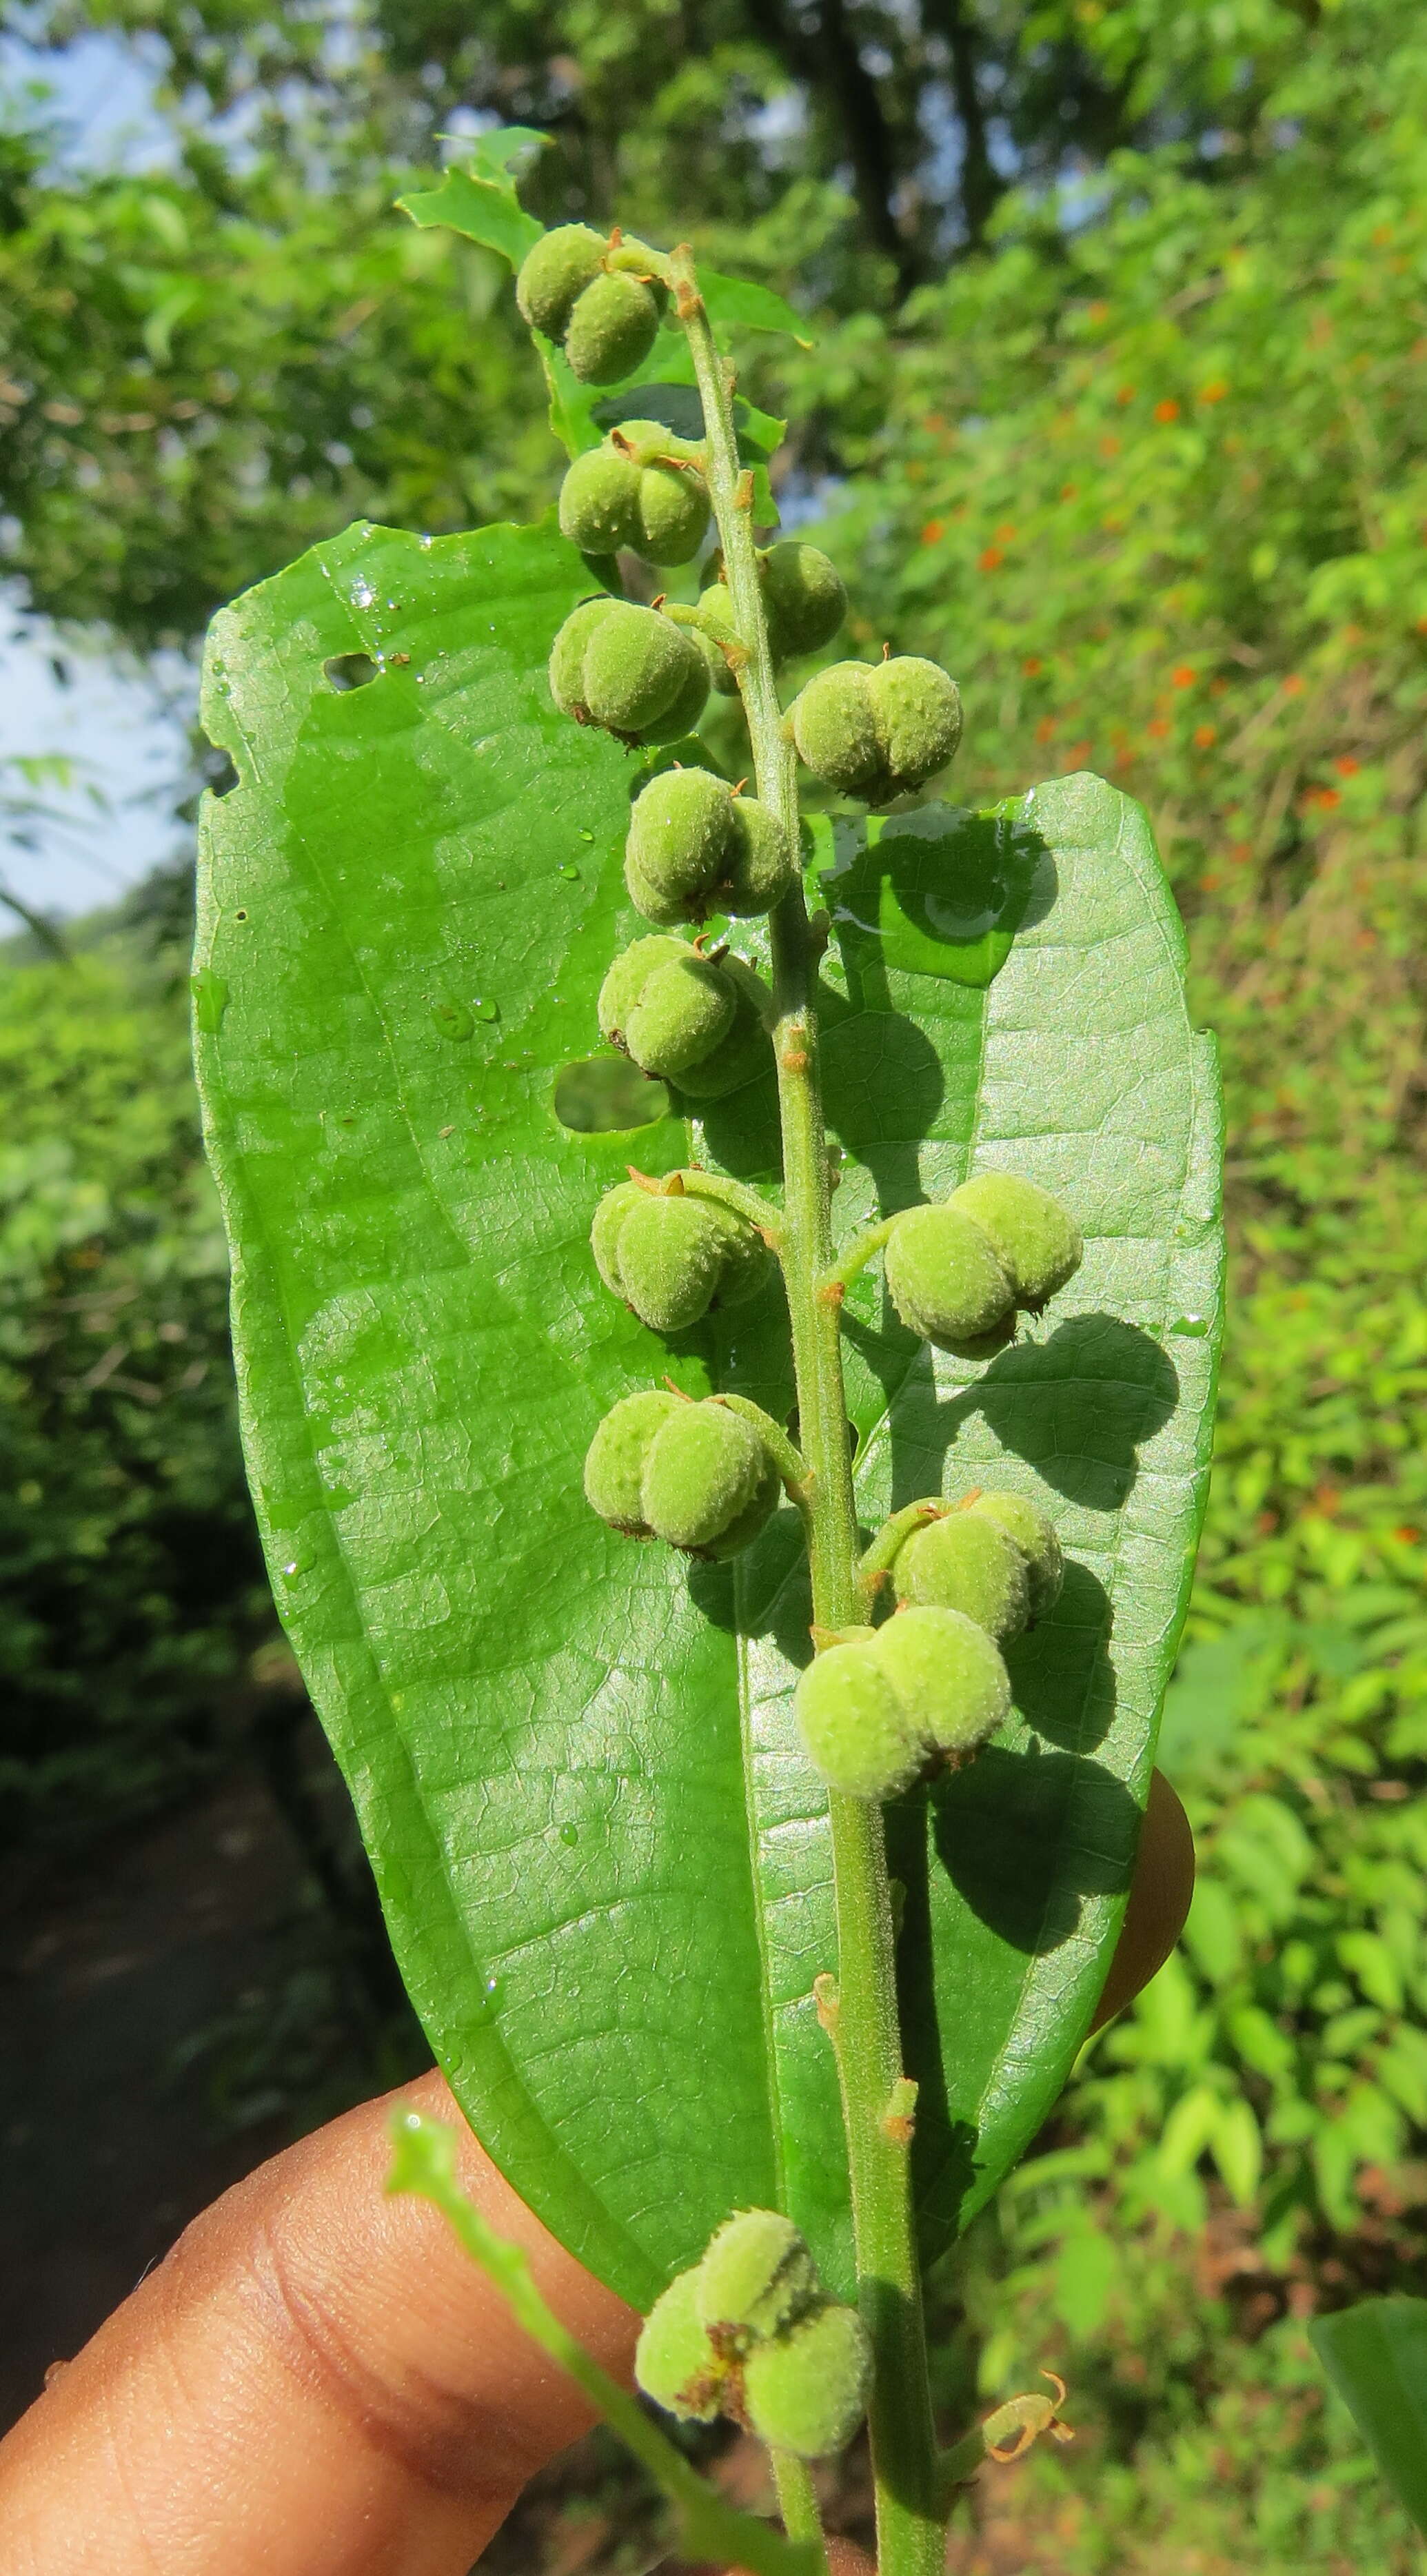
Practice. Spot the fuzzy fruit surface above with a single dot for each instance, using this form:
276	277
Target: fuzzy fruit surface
944	1277
1036	1240
671	1258
680	1016
805	597
622	495
947	1670
714	615
966	1563
745	1053
615	1460
1034	1533
674	2361
806	2392
858	1732
877	731
756	2278
626	980
696	848
628	669
612	328
554	273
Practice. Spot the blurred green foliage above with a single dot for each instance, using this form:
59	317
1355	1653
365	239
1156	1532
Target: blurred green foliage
1148	470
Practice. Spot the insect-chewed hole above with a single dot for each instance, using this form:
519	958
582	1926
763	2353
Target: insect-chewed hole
350	670
605	1094
216	767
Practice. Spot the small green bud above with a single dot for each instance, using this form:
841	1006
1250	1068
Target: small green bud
807	2391
612	328
968	1564
679	1018
706	1470
745	1053
1038	1243
695	848
626	668
1035	1535
627	977
669	1257
756	2278
857	1731
948	1675
615	1462
674	2361
554	273
805	598
877	732
944	1278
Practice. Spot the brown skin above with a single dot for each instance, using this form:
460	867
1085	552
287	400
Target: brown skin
317	2382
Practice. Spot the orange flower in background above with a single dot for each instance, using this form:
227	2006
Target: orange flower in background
1213	392
1294	685
1166	410
1033	666
1005	532
1158	725
989	559
1070	491
934	530
1124	394
1322	797
1045	729
1204	735
1183	677
1346	766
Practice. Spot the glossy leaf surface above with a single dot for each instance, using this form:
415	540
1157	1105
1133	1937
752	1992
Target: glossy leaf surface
1376	2356
603	1859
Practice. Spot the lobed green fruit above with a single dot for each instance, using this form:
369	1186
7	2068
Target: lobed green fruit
1037	1242
695	848
806	2392
615	1461
756	2279
627	978
806	601
629	669
674	2361
944	1278
745	1053
877	731
629	493
612	327
947	1671
966	1563
555	273
671	1257
1034	1533
680	1016
708	1484
857	1730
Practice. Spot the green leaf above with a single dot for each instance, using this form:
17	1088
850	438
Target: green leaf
603	1859
1376	2357
736	304
483	207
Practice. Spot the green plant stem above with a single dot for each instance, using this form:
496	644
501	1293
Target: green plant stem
424	2162
841	1273
797	2498
888	1543
868	2036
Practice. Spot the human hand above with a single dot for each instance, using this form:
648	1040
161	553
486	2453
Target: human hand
316	2382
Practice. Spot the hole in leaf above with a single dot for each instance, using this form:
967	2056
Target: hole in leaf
605	1094
350	670
215	768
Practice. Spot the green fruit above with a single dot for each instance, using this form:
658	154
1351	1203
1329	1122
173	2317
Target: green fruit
877	731
944	1278
760	868
555	273
674	2361
756	2278
715	615
671	513
946	1672
806	601
671	1254
807	2391
635	258
612	328
599	502
856	1729
625	668
615	1462
692	697
917	712
680	835
745	1526
745	1053
567	655
680	1016
1039	1245
627	977
705	1470
605	1232
1034	1534
968	1564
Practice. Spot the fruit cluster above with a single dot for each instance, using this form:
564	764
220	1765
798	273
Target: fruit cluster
957	1271
995	1558
750	2333
877	731
696	1475
643	488
690	1019
672	1257
600	296
804	603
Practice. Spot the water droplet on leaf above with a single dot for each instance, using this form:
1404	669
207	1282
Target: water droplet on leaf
361	593
452	1019
573	875
487	1011
569	1835
1193	1328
